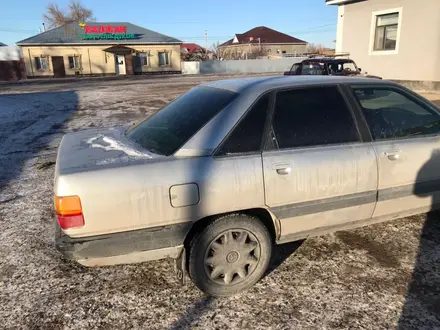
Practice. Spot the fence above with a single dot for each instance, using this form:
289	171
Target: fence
11	64
240	66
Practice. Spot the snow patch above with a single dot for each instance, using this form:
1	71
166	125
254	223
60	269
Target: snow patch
115	145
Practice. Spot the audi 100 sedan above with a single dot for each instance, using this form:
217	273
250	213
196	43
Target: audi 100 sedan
232	167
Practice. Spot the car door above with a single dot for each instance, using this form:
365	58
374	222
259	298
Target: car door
235	179
406	138
317	171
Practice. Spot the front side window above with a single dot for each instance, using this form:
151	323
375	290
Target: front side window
164	58
313	69
246	136
41	63
385	37
170	128
392	114
74	62
312	116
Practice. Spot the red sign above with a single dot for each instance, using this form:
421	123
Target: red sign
114	29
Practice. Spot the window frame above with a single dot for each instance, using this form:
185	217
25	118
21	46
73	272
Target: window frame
168	57
38	63
216	152
340	87
74	64
373	27
147	57
412	96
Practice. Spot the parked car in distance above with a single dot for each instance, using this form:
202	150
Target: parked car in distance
232	167
327	66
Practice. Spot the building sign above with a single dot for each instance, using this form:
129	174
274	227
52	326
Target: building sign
104	32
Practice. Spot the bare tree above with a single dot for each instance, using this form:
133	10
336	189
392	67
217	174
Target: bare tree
79	13
55	16
257	52
315	48
221	53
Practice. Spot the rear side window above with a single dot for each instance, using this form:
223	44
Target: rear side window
246	136
392	114
295	69
312	116
166	131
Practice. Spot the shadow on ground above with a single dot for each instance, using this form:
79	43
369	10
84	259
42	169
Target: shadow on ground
422	301
27	125
193	314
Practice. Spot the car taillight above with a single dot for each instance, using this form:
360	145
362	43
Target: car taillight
69	212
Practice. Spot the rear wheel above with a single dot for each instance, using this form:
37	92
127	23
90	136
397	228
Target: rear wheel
230	255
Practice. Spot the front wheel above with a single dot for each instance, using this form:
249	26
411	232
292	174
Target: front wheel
230	255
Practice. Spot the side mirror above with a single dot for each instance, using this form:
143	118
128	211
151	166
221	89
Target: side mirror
359	69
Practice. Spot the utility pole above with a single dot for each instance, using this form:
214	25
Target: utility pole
206	42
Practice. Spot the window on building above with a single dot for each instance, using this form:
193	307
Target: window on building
164	58
41	63
385	37
312	116
74	62
392	114
144	59
246	136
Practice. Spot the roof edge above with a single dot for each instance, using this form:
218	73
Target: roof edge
341	2
100	44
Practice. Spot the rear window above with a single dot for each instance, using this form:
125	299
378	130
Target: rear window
166	131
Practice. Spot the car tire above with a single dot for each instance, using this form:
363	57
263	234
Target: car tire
229	255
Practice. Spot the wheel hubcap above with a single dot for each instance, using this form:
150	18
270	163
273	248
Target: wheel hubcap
232	256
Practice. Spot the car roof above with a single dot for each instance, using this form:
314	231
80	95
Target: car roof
328	59
263	84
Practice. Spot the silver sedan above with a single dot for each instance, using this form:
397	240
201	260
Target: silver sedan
232	167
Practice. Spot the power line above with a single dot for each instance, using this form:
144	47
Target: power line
17	30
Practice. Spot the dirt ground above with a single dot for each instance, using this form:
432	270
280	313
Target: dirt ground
380	277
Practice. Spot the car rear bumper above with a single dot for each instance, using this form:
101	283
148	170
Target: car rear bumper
125	247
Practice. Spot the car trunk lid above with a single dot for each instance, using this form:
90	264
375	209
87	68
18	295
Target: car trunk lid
91	149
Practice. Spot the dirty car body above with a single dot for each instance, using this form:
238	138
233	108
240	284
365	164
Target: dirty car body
305	155
327	66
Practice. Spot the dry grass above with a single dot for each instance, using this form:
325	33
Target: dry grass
383	276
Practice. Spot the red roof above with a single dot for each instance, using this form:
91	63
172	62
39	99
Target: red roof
192	48
264	35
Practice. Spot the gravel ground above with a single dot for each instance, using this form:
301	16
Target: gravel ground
382	276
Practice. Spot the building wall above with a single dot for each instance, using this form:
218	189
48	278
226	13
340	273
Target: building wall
418	44
270	49
94	61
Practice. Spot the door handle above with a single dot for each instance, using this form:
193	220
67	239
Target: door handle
393	155
283	169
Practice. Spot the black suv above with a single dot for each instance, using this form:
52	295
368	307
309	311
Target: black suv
327	66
